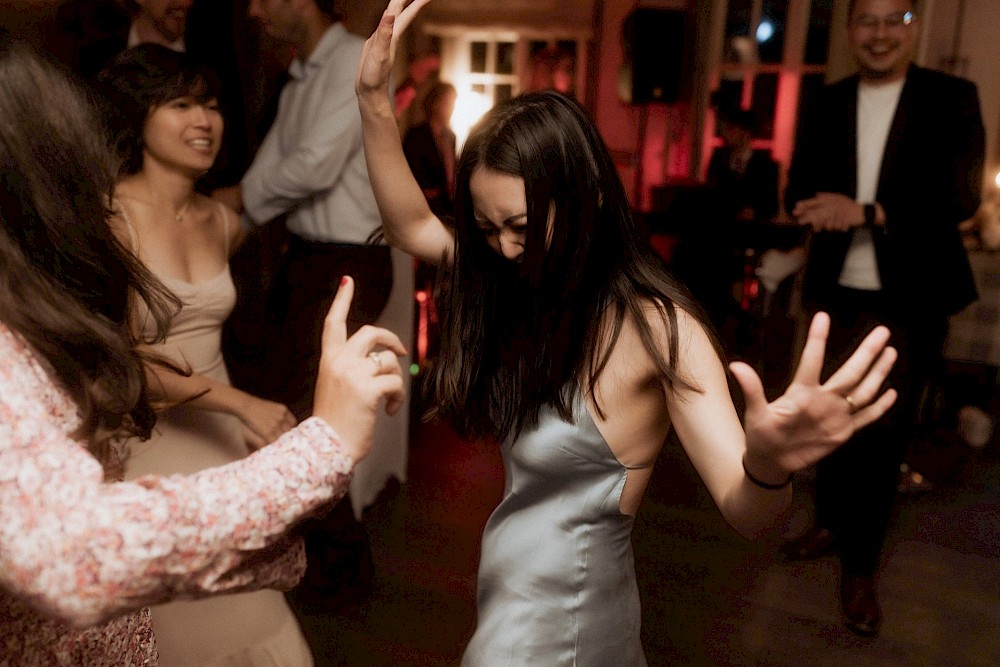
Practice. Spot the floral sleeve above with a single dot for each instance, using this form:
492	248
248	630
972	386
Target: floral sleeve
80	549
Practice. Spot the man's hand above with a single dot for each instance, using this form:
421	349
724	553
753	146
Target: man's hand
830	212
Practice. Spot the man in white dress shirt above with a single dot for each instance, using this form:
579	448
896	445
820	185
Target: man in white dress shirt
311	169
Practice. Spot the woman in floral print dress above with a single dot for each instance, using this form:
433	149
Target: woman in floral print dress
82	554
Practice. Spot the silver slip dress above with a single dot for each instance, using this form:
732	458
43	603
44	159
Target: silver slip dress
556	576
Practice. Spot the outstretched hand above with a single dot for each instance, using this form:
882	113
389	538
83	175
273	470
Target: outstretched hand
810	419
380	50
355	374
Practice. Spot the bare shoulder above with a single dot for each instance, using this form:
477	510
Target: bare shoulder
638	343
117	223
119	226
686	326
225	222
128	210
217	209
685	343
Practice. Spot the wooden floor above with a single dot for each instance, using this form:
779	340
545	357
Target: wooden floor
709	597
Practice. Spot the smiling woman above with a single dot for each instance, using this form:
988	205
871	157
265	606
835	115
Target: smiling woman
151	91
183	134
168	130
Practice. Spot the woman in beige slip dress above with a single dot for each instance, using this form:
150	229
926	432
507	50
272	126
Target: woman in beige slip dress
185	239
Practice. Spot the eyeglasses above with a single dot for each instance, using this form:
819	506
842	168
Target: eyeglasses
896	21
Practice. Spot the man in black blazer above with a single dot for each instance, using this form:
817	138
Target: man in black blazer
888	164
712	257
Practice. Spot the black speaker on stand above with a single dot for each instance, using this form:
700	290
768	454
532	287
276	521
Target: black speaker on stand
653	41
654	45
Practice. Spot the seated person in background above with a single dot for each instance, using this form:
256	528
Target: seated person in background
752	252
741	189
82	554
746	178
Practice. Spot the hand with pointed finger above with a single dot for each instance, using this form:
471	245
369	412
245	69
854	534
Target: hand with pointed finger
810	419
379	51
355	374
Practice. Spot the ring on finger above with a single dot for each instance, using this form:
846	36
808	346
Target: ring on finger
850	402
377	360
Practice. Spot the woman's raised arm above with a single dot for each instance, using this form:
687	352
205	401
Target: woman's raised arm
409	223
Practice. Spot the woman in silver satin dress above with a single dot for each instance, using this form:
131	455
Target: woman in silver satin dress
565	340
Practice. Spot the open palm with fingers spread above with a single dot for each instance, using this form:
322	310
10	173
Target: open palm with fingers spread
811	419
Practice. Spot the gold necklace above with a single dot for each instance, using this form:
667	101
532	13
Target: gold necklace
179	216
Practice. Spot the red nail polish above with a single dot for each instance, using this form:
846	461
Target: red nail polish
343	280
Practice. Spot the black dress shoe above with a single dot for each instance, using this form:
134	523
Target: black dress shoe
814	543
859	603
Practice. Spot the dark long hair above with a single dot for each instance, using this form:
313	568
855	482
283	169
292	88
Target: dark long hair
140	79
517	335
66	283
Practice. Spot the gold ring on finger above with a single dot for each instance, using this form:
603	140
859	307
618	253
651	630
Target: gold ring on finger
377	360
850	402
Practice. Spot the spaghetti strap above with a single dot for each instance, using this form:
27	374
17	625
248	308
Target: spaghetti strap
133	236
225	226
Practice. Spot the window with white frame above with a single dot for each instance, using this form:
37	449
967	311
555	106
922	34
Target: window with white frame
488	67
773	60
